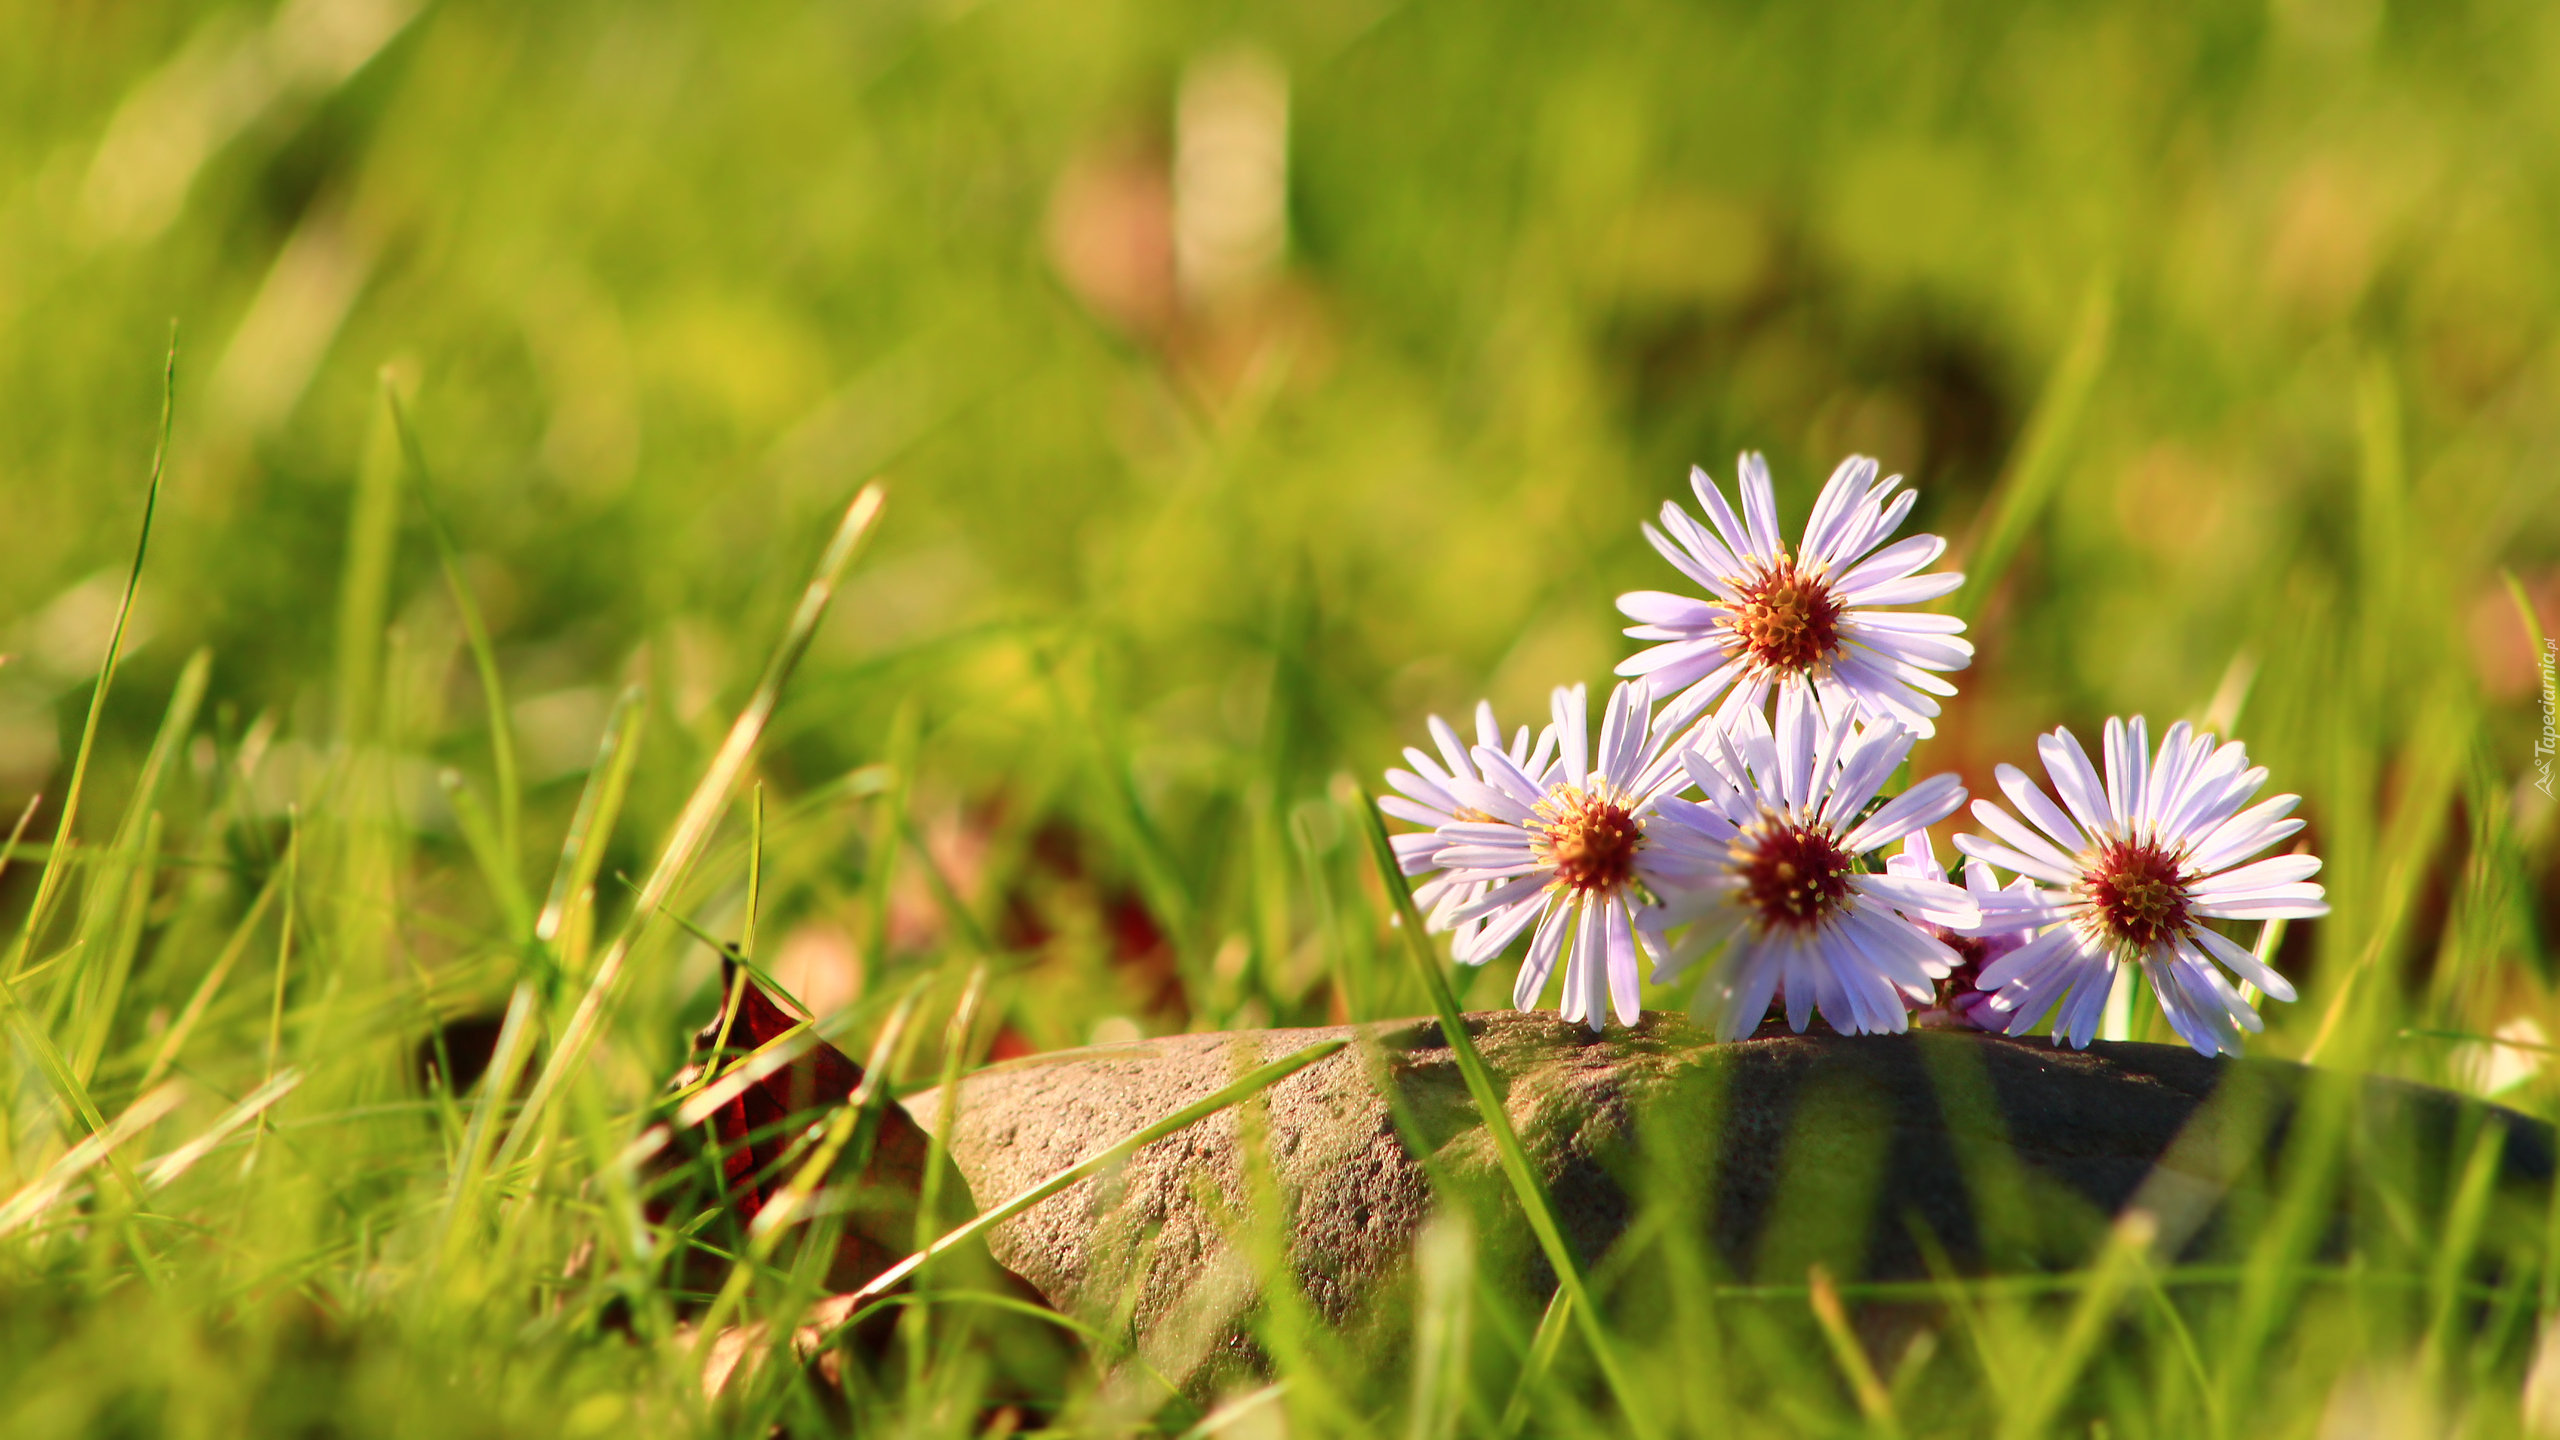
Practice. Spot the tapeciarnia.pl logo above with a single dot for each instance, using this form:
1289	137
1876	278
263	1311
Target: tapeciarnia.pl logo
2550	741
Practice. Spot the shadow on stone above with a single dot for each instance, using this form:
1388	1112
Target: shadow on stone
1878	1157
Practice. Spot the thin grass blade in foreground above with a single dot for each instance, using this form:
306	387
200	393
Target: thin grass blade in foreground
701	812
49	884
1874	1400
599	805
1534	1201
2126	1255
169	1167
40	1193
484	655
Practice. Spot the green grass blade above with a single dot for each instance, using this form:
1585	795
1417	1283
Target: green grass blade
173	1043
2048	1383
2533	632
755	876
56	865
475	630
497	1085
364	596
701	812
117	893
1874	1400
165	1170
2455	1244
488	847
1526	1184
956	1037
880	865
1553	1325
599	805
95	1019
39	1194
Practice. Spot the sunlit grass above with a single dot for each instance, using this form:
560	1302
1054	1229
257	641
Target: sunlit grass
2220	342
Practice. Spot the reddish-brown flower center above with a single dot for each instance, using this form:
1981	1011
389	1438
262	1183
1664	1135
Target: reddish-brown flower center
2138	893
1788	621
1591	838
1793	875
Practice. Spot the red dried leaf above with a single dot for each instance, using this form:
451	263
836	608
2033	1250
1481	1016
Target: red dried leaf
753	1132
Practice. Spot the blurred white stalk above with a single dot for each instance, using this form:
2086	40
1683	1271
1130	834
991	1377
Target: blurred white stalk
1230	175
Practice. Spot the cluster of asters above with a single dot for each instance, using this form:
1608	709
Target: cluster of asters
1732	812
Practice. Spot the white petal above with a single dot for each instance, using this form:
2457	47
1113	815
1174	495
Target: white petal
1835	509
1919	858
2276	870
1684	557
1928	652
2028	963
1867	531
2128	747
1924	804
1905	557
1406	810
1541	758
2275	902
1913	590
1425	792
1501	927
1625	983
1908	622
2025	841
1501	801
1797	726
1728	527
1933	900
2243	963
1452	752
1897	949
1829	741
2076	781
1754	967
1879	753
1804	981
1498	897
1655	607
2086	1003
1760	506
2246	834
1415	853
1573	727
1523	789
1541	961
1718	558
2039	810
2037	862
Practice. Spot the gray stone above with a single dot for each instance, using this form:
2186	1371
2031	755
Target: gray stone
1866	1154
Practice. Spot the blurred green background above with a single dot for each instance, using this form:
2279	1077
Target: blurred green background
1253	381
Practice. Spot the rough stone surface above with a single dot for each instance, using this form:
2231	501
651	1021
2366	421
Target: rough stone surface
1859	1153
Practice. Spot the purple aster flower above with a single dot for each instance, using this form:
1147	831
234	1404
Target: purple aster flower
1423	797
2128	869
1767	865
1562	841
1957	1001
1790	619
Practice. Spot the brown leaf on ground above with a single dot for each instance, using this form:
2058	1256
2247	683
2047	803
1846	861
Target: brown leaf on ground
747	1142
